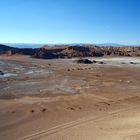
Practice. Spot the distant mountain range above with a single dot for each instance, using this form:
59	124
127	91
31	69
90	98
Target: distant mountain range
22	45
31	45
110	44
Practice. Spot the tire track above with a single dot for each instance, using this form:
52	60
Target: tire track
65	126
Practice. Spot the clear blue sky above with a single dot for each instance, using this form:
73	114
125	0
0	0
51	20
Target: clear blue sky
70	21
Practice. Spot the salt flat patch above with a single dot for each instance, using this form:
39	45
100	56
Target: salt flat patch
1	63
19	68
58	89
117	61
6	75
29	72
122	59
35	72
27	83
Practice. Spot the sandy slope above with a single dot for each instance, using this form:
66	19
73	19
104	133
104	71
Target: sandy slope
81	117
106	106
124	124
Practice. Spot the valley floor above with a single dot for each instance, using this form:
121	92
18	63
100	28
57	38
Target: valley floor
62	100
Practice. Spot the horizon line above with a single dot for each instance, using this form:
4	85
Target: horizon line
37	43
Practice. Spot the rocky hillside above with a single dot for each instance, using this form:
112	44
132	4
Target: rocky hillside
68	51
7	50
4	48
86	51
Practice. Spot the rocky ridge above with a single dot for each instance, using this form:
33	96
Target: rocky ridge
69	51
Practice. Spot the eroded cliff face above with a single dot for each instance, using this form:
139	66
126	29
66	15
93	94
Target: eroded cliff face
67	51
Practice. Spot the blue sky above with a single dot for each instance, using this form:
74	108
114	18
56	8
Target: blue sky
70	21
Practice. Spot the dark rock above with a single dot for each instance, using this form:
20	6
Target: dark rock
43	109
32	111
94	61
1	72
123	63
84	61
133	63
101	62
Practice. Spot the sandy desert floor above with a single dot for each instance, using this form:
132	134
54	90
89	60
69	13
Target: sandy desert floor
63	100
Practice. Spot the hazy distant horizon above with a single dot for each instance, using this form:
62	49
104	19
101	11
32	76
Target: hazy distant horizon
37	45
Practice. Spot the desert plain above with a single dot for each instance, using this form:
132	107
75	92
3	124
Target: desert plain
60	99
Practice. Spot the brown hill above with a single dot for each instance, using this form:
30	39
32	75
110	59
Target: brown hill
67	51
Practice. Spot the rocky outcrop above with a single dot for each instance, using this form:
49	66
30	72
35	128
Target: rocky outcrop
92	51
45	54
74	51
121	51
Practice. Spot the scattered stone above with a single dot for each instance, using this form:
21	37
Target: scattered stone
80	108
108	104
32	111
13	112
71	108
98	75
43	109
129	81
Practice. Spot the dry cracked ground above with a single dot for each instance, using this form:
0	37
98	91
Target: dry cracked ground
62	100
